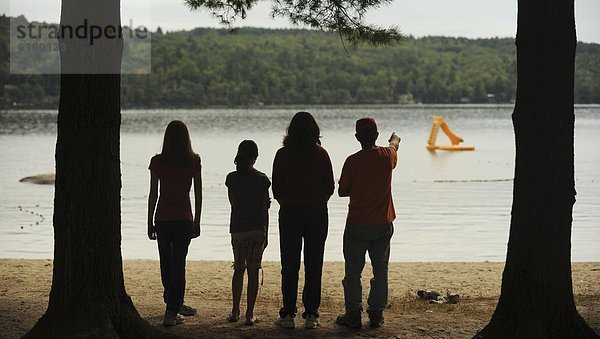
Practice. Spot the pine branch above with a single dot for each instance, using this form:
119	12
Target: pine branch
346	17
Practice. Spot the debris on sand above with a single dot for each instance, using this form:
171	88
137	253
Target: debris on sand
434	297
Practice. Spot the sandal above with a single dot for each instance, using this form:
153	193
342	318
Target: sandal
233	318
252	321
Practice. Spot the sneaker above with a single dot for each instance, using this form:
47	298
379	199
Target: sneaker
187	310
311	321
285	322
375	318
350	319
172	318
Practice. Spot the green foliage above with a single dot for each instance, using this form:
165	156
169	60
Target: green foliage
212	67
587	73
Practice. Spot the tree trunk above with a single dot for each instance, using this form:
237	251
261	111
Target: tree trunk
88	297
536	299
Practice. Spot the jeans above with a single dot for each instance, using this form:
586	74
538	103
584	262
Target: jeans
358	240
173	239
308	222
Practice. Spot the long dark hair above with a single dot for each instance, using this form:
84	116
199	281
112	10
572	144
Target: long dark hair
177	146
246	155
303	133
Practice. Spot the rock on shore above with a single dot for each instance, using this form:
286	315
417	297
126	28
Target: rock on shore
40	179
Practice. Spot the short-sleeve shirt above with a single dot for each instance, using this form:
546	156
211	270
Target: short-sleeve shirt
249	195
175	182
302	180
367	174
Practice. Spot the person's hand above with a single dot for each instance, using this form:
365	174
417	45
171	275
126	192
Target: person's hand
394	141
196	230
151	231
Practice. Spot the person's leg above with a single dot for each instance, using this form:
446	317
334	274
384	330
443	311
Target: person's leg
254	260
290	244
237	284
379	252
315	234
237	280
163	239
252	293
179	249
355	247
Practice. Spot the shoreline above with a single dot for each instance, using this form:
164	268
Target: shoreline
26	285
315	106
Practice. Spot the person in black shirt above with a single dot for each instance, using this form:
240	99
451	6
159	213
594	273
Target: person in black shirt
248	191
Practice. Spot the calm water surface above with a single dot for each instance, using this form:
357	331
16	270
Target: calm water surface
451	206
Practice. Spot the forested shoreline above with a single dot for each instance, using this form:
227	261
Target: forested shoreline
209	67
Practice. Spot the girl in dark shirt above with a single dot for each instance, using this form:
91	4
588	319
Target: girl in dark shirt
302	184
171	221
248	191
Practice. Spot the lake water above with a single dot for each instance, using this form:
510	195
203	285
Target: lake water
451	206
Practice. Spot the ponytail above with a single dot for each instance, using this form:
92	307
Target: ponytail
242	162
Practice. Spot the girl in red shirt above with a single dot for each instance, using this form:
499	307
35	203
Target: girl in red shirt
171	221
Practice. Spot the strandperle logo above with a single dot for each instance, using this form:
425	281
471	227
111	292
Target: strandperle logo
35	47
83	31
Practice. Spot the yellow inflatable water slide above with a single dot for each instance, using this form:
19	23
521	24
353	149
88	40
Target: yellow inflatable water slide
439	122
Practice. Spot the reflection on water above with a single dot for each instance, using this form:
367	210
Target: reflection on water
450	206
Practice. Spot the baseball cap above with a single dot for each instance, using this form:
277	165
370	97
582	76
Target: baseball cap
366	126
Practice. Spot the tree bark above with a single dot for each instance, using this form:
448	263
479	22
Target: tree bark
536	299
88	297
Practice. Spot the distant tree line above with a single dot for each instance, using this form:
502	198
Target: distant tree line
213	67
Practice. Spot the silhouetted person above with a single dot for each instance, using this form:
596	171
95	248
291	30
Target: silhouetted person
248	191
302	184
366	178
173	224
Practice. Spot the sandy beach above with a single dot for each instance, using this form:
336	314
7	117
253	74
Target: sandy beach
25	284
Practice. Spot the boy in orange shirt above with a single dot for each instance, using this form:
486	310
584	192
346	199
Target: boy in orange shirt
366	178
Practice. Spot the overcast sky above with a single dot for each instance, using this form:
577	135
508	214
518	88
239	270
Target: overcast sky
464	18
